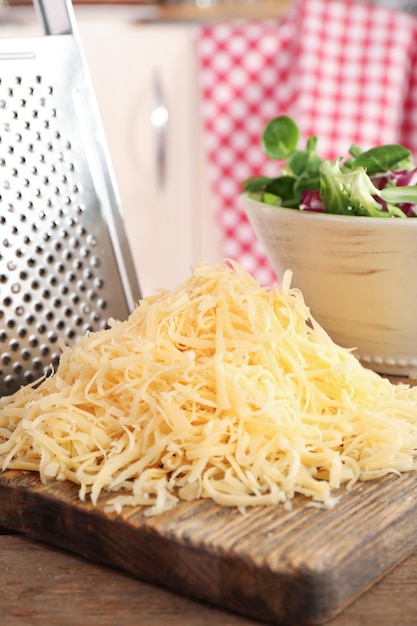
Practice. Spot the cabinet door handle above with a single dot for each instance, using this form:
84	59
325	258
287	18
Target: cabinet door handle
159	122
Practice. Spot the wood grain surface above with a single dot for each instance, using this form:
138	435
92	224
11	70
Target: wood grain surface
297	567
41	585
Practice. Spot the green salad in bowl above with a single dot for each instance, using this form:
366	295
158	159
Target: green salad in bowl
357	275
379	182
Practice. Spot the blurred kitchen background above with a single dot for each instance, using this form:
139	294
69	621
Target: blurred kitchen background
153	66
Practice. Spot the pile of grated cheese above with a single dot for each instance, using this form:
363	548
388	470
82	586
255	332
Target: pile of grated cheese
219	389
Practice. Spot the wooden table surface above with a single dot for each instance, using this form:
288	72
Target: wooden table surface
40	585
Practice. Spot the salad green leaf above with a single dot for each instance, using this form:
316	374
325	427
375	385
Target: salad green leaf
379	182
280	137
383	158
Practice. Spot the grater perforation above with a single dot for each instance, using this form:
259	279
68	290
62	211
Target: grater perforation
65	266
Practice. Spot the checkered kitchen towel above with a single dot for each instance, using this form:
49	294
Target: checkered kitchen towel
346	71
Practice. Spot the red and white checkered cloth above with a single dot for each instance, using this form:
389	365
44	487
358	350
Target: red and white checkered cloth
345	71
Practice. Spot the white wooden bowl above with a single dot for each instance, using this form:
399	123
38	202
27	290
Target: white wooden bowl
358	276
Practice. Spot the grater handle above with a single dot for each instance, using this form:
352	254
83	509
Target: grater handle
56	16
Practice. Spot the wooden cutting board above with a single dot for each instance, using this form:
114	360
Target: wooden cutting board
282	567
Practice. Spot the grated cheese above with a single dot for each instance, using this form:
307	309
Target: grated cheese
219	389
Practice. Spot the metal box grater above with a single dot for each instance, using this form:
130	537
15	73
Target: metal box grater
65	264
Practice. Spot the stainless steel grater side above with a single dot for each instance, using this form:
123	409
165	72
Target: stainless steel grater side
65	264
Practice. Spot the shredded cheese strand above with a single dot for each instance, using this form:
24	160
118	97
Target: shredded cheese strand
219	389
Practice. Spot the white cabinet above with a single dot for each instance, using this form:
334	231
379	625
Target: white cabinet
166	205
160	173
